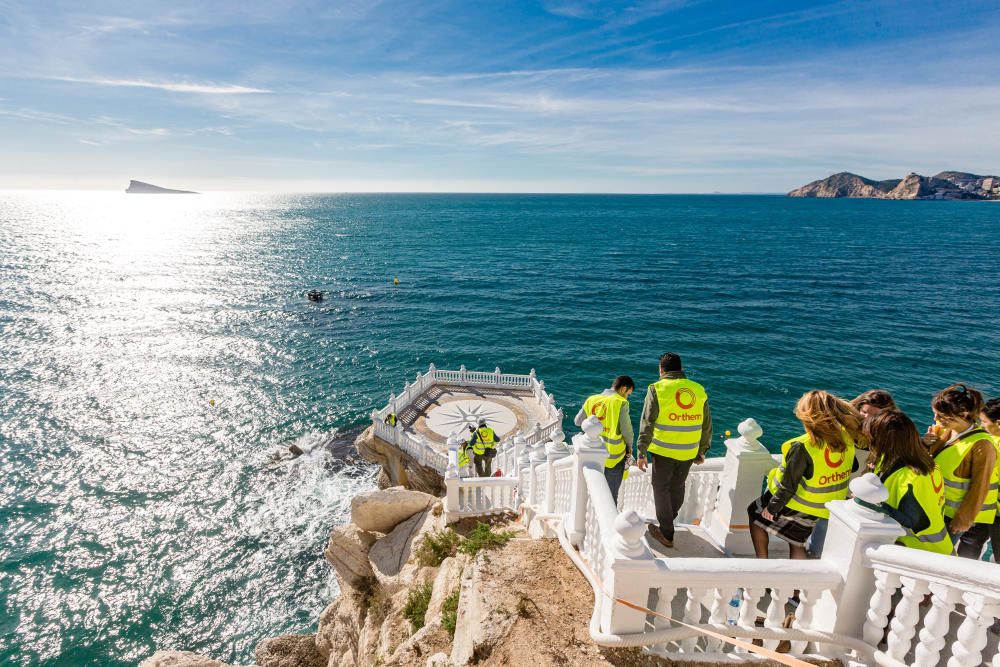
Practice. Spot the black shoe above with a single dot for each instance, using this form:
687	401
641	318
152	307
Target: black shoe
655	533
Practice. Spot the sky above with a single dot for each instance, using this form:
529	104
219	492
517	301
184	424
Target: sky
646	96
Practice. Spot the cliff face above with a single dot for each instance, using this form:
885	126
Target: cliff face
945	185
140	188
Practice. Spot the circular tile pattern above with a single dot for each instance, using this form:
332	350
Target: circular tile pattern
458	415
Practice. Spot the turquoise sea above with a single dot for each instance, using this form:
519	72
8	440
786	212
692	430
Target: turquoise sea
135	514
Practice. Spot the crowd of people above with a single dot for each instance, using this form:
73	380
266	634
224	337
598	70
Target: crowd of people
942	485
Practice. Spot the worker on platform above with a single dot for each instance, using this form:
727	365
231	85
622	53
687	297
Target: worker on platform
612	408
674	433
390	419
915	484
483	444
967	456
990	419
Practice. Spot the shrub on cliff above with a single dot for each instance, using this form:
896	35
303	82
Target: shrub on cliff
449	613
416	605
482	538
436	546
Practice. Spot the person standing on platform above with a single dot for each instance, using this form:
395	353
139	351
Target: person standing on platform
612	408
990	419
967	457
483	444
675	432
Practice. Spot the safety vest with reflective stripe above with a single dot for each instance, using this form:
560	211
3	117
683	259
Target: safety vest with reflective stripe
463	456
483	440
956	488
929	492
677	430
608	408
831	472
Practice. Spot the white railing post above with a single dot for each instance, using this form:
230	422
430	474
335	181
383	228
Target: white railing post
496	373
590	452
853	530
452	479
747	463
518	451
462	374
628	576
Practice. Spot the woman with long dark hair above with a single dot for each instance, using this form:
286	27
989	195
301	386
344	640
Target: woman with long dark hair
967	458
915	484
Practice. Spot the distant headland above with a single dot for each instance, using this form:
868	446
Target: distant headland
140	188
946	185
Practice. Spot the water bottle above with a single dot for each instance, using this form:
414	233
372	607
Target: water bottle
733	609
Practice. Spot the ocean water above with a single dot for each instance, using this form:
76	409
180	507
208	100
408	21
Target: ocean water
156	351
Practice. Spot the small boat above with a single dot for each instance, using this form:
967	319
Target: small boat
315	295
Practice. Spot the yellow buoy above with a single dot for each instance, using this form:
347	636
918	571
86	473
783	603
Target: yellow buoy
728	433
211	401
395	281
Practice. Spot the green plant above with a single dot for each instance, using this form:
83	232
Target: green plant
449	613
436	546
482	538
377	602
416	605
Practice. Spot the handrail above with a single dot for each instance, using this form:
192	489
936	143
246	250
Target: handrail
972	576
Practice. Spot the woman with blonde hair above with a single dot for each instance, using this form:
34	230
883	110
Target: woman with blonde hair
815	469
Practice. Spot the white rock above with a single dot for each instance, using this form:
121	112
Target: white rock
447	581
389	555
381	511
347	551
439	660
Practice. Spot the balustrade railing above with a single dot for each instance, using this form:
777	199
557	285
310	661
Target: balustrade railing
700	494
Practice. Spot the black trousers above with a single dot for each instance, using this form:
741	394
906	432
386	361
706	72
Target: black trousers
484	465
668	480
970	543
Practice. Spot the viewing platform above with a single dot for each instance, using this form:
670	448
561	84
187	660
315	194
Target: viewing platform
867	601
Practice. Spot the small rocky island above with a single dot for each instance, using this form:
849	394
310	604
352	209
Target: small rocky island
945	185
140	188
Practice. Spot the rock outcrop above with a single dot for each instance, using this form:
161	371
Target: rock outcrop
381	511
140	188
347	552
290	651
181	659
945	185
398	467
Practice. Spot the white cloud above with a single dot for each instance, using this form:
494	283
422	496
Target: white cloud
170	86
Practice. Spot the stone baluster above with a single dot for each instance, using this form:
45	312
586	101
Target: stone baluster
775	616
904	624
462	374
452	479
497	374
692	616
936	623
589	452
718	616
518	452
664	606
879	607
803	618
553	452
967	649
748	611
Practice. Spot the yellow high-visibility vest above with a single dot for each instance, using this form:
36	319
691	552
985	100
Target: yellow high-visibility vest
677	430
609	409
929	492
483	439
955	487
830	476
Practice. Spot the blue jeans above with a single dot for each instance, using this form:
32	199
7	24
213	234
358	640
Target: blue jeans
818	537
614	477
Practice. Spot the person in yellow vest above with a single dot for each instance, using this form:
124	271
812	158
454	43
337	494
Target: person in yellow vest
612	408
967	457
915	483
483	444
815	469
675	432
990	419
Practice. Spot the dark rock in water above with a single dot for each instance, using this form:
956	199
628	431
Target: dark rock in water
315	295
295	450
140	188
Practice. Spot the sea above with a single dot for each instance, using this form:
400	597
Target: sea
158	351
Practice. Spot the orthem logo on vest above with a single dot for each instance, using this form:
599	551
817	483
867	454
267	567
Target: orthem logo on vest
937	487
600	410
830	462
833	478
685	398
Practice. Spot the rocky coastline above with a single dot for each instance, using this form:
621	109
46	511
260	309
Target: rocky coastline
945	185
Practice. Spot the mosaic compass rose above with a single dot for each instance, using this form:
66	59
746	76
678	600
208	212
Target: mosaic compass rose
458	415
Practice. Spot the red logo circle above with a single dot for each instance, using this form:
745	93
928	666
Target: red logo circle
829	461
682	395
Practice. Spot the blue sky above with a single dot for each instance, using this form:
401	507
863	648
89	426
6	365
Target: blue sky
560	95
